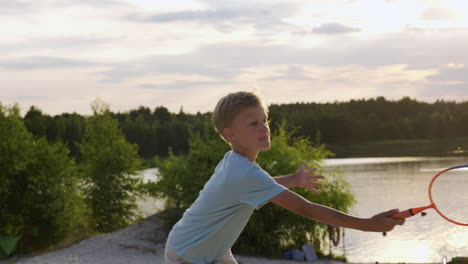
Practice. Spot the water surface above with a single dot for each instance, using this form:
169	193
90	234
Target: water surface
380	184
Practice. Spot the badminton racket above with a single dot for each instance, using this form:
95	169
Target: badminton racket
451	206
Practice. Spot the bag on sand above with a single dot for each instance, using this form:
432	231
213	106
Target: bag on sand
307	253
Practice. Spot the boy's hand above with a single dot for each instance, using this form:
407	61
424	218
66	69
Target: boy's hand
305	178
383	222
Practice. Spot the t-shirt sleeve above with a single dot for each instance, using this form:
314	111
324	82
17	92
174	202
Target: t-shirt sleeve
257	188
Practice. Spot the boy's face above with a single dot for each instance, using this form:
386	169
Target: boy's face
249	130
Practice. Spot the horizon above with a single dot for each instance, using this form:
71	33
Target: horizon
23	110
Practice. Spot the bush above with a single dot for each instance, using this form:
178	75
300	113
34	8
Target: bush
273	229
15	156
54	208
109	163
182	177
39	191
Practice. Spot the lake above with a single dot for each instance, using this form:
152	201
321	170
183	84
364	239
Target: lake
380	184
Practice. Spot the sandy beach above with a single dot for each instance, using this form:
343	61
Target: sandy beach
141	243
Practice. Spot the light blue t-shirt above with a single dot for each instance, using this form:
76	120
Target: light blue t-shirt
209	228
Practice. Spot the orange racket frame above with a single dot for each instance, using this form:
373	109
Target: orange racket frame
413	211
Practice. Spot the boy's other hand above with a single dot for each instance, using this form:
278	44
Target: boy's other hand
305	178
383	222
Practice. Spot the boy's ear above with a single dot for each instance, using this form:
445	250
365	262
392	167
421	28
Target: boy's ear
228	134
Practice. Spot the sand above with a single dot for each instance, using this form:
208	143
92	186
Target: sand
141	243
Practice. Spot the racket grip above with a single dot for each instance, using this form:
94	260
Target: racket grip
410	212
403	214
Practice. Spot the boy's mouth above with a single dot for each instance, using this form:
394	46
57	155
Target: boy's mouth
264	138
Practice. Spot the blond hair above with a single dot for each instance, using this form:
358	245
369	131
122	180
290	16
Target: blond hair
229	106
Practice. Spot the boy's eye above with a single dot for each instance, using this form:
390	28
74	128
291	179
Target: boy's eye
264	121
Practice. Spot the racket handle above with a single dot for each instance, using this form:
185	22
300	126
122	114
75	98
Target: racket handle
410	212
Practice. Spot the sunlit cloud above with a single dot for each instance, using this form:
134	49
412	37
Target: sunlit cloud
439	13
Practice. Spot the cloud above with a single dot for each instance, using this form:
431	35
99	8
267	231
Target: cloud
439	13
204	16
18	7
456	92
294	72
13	7
101	3
416	50
44	62
451	74
55	44
89	3
334	28
198	63
182	85
226	17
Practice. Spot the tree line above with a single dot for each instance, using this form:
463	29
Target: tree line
158	131
376	119
155	132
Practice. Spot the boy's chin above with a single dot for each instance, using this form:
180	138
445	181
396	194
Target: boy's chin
265	147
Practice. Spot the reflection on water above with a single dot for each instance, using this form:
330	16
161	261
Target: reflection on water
386	183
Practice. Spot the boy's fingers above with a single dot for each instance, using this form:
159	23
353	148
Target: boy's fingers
316	184
311	171
317	177
400	221
313	190
390	212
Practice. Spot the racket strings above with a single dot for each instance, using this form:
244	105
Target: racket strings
449	192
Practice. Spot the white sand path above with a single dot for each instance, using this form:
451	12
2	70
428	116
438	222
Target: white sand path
141	243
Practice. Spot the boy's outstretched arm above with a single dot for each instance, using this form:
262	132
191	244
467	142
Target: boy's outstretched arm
293	202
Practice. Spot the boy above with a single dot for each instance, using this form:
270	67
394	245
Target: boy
214	221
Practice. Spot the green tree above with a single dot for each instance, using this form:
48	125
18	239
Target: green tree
109	164
51	199
39	191
271	230
15	156
36	122
74	132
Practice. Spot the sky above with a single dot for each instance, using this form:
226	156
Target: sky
60	55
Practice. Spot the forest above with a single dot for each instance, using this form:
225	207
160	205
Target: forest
365	127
